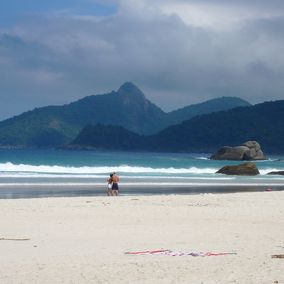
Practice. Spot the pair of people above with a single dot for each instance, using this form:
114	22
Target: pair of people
113	184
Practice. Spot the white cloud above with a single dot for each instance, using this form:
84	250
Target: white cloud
58	58
217	14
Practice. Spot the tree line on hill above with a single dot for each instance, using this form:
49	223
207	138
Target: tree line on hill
126	120
205	133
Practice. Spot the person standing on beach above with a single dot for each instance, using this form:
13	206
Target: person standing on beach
115	180
109	185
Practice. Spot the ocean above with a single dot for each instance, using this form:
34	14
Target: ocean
26	173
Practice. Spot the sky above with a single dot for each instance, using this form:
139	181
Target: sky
178	52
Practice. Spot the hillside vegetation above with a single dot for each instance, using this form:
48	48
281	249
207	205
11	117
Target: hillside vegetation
262	122
54	126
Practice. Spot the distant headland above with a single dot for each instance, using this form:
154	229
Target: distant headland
126	120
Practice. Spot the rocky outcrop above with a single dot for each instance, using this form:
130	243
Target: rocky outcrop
277	173
245	169
249	150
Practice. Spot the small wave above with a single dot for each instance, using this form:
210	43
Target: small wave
266	171
142	184
23	168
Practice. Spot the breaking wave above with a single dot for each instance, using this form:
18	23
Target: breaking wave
46	169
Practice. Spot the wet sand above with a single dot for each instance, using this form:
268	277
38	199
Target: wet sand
79	190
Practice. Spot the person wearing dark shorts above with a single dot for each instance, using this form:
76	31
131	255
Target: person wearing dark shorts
115	187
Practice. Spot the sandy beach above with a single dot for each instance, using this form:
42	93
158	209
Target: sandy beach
84	239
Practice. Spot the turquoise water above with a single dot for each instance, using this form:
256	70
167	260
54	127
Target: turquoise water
47	167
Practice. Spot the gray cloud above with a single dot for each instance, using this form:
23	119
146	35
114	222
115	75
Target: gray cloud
59	58
248	4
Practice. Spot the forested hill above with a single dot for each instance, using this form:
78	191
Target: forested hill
213	105
128	107
58	125
262	122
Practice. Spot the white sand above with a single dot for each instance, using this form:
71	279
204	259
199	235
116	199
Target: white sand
84	240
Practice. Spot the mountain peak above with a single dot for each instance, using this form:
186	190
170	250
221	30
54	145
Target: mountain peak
129	88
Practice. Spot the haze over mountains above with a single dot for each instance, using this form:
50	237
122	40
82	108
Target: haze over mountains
262	122
128	107
205	133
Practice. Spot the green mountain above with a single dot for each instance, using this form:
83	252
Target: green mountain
214	105
262	122
57	125
128	107
206	133
107	137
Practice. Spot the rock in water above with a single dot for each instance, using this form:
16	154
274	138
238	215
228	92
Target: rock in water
277	173
245	169
255	152
249	150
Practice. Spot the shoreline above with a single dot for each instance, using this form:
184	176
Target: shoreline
85	239
23	191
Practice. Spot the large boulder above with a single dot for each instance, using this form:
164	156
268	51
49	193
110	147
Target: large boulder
245	169
249	150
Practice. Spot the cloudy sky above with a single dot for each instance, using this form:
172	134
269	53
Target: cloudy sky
178	52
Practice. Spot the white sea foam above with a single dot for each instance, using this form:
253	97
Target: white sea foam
266	171
10	170
24	168
142	184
